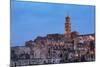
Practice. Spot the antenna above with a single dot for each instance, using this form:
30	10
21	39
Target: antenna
67	13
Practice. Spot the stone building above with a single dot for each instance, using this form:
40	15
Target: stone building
55	48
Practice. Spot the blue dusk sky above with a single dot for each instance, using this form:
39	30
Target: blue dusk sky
32	19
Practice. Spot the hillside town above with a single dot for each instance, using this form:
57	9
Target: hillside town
55	48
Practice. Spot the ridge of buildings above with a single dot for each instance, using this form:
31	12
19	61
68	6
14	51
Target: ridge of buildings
56	48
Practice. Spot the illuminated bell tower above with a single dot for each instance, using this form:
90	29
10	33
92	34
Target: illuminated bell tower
67	32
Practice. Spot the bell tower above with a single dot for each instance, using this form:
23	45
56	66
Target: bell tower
67	32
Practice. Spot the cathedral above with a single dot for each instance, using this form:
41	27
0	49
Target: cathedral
55	48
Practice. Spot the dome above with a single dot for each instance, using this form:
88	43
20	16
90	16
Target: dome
75	33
